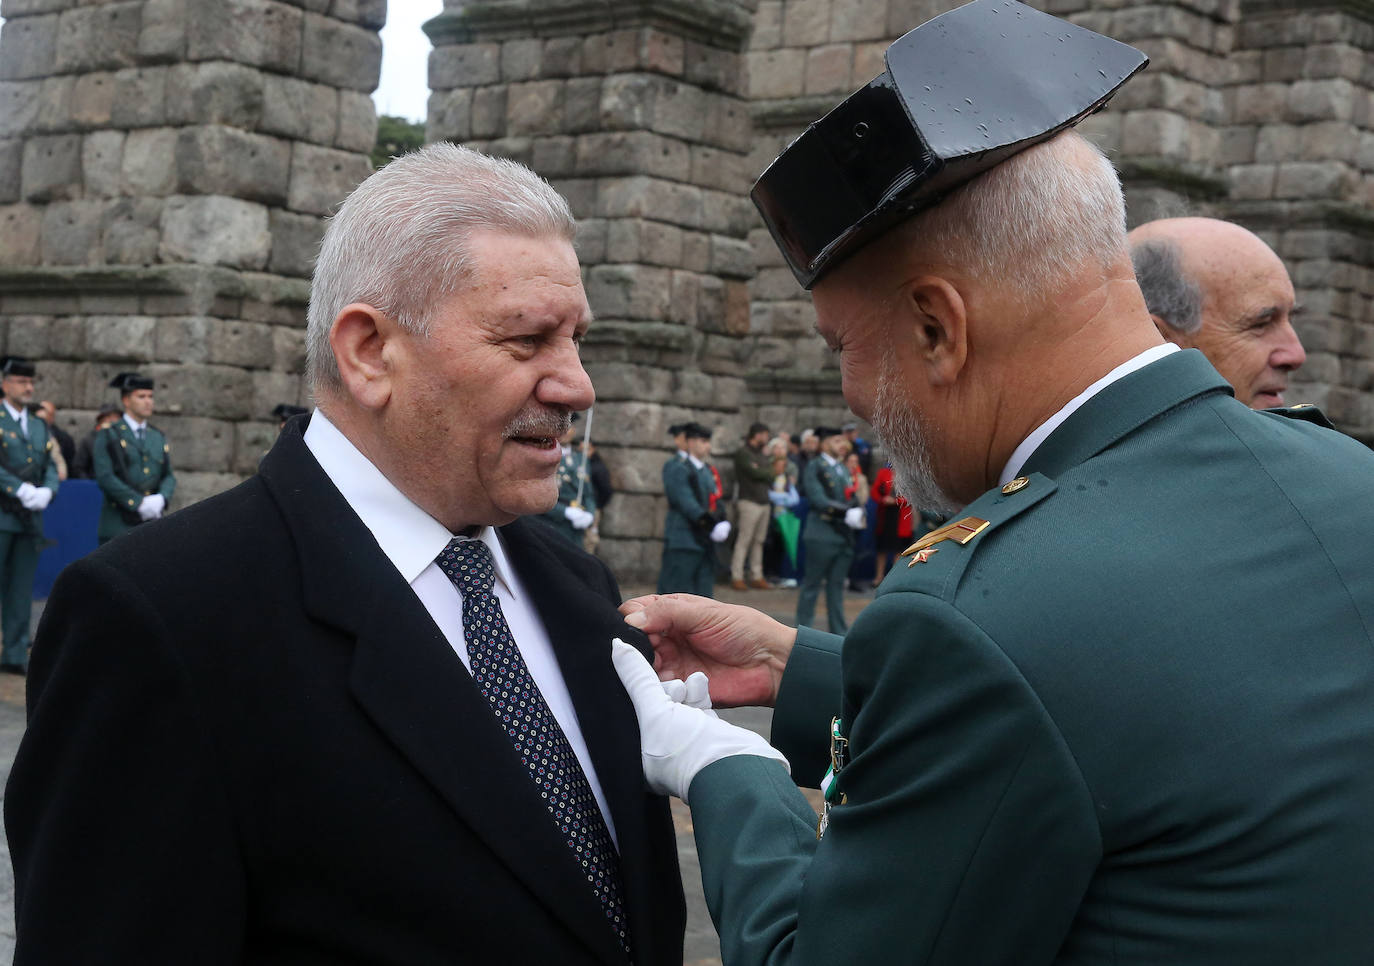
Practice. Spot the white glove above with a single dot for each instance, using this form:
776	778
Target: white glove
855	518
720	532
39	499
578	517
695	692
678	740
151	506
25	495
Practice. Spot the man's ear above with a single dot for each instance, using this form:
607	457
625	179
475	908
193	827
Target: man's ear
1169	333
359	337
940	321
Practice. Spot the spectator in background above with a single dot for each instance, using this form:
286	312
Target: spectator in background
857	492
1214	286
780	549
893	526
808	448
82	466
755	472
65	454
860	446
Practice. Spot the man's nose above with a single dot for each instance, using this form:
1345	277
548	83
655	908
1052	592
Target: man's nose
1288	354
568	384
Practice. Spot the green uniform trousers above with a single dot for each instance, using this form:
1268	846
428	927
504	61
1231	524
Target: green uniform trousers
688	572
18	561
827	562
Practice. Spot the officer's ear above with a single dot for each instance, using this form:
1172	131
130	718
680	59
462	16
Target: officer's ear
937	320
360	338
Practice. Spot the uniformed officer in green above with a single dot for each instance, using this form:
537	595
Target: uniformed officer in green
133	461
575	510
828	534
28	482
1119	711
695	521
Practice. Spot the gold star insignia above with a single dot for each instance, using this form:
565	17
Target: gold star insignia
923	555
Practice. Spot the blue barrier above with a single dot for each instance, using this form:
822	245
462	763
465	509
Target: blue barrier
70	523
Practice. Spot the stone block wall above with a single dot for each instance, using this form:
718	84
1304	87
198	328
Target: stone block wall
637	115
165	167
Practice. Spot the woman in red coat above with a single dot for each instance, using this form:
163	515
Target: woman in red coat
893	530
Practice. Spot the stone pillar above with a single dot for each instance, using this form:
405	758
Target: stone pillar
1302	176
165	166
805	56
635	112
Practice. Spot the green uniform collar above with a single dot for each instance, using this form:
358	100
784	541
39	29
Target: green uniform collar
1123	407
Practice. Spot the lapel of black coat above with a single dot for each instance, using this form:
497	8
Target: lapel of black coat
410	683
581	622
1123	407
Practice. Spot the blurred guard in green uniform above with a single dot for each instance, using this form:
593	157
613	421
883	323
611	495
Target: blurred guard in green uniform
28	479
696	520
133	463
828	534
573	513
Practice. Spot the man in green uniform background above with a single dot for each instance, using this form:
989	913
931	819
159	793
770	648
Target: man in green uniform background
695	522
1120	710
575	510
29	480
828	534
133	461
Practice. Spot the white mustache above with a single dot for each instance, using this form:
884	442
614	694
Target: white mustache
539	422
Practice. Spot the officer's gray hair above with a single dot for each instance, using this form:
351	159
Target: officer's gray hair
1169	293
399	242
1031	222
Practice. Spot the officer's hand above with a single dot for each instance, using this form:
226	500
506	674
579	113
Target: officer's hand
40	499
855	518
742	651
151	506
677	740
578	517
24	493
720	532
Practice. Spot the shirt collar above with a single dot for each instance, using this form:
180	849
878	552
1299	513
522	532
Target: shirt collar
134	424
695	462
682	454
410	537
1042	432
830	459
16	414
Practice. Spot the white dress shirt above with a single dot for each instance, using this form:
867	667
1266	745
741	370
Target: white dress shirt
411	539
134	424
1022	453
20	416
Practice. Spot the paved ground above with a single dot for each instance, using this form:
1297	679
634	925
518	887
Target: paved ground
702	946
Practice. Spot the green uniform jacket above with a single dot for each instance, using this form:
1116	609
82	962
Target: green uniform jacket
147	465
686	503
1131	722
569	469
823	486
24	461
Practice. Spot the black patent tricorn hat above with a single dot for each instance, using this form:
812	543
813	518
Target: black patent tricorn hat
961	94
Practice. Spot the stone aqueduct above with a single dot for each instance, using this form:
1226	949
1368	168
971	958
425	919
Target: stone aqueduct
166	165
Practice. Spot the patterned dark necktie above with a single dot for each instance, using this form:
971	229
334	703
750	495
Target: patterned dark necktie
501	674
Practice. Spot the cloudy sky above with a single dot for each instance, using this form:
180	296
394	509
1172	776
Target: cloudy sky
404	88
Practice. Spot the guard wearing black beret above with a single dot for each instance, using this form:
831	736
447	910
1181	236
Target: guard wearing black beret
28	482
133	461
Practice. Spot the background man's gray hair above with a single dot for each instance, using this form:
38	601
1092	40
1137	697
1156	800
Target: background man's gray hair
1033	221
399	242
1169	293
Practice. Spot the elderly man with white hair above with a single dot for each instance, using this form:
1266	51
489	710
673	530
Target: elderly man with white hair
359	709
1120	709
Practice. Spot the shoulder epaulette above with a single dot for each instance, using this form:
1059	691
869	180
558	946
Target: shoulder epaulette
1307	412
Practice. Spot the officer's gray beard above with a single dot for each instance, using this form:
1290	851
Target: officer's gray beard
898	424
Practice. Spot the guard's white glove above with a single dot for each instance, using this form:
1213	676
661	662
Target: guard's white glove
720	532
151	506
678	740
695	692
578	517
39	499
855	518
24	494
